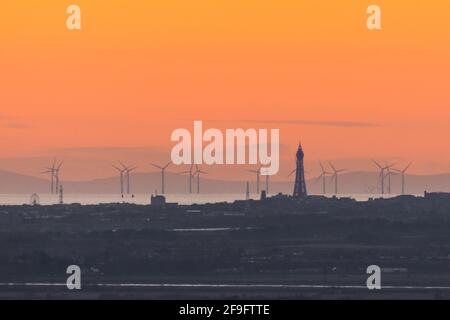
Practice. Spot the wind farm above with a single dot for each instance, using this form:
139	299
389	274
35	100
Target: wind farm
134	185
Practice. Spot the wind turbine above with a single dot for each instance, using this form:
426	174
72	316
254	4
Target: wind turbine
258	173
127	174
191	175
388	175
382	170
56	173
402	172
267	181
323	176
198	172
121	172
163	170
51	170
335	176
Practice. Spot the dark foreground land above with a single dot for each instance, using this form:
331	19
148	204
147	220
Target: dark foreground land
278	248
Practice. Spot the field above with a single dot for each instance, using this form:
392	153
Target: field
223	251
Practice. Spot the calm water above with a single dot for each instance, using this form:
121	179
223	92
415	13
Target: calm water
221	285
46	199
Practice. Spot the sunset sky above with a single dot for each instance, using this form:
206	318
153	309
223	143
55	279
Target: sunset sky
137	70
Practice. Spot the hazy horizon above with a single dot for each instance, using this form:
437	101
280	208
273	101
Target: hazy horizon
85	168
358	182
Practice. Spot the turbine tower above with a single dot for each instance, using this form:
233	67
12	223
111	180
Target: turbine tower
267	181
247	191
403	172
335	176
121	172
382	170
388	175
163	171
127	175
51	170
56	172
191	175
258	174
61	194
300	184
323	176
198	172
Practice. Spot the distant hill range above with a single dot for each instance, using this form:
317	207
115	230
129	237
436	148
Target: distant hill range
349	183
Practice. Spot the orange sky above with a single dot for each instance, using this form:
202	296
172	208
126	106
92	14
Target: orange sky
139	69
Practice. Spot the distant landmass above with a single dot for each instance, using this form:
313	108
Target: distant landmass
349	183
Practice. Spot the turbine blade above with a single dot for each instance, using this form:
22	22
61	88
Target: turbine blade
407	167
377	164
332	167
124	166
321	166
156	166
168	164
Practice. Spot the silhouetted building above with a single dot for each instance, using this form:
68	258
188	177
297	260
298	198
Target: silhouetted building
158	201
300	184
437	195
263	195
34	199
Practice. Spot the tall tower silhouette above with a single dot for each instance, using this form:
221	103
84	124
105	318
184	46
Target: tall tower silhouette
300	184
61	194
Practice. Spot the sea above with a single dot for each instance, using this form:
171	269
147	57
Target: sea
142	199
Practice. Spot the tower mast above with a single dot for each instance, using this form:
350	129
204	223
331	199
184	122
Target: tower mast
300	184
